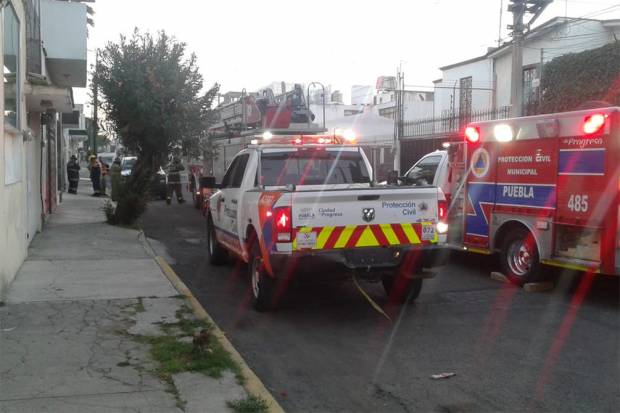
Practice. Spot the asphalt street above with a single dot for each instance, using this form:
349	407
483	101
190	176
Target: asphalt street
327	350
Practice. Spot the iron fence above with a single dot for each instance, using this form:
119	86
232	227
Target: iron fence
450	122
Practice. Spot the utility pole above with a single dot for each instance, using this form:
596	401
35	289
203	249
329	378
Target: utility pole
519	8
95	91
398	118
501	15
540	77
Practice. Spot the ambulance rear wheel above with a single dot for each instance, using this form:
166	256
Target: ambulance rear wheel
216	254
519	257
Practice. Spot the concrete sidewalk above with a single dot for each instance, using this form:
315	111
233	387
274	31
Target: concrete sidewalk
76	323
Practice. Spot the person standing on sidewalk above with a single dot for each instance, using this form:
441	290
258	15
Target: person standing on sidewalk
95	175
174	181
115	174
73	174
105	171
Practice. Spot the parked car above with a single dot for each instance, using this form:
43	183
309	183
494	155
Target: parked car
127	164
159	184
107	157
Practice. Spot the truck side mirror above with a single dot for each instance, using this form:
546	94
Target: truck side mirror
208	182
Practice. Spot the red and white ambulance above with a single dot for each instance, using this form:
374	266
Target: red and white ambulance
537	190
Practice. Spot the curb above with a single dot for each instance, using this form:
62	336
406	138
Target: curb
253	385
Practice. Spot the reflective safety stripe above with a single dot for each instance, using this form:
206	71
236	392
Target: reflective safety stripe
345	235
356	236
411	234
324	236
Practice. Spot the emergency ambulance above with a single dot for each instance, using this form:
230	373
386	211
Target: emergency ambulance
292	202
536	190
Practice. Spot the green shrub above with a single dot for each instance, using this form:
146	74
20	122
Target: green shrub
570	80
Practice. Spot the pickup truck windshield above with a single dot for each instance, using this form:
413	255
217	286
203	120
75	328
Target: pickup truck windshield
313	167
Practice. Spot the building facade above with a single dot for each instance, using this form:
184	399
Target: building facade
43	55
14	234
484	83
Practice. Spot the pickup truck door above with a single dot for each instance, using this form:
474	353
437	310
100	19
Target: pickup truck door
219	213
232	194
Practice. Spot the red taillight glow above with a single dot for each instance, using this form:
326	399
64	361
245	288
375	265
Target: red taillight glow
472	134
442	215
594	123
283	224
442	207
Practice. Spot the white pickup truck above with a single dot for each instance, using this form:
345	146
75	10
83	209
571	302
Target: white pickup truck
281	208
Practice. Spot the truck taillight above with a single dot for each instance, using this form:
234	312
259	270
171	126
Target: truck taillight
442	206
442	214
472	134
594	123
284	227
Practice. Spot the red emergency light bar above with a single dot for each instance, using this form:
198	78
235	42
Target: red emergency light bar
594	123
268	138
472	134
537	127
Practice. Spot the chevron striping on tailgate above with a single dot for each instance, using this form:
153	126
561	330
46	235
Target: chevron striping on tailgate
356	236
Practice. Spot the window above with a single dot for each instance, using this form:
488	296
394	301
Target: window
423	173
239	170
531	83
234	174
226	181
465	98
313	167
10	43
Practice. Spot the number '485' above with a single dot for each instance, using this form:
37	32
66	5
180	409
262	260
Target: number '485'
578	203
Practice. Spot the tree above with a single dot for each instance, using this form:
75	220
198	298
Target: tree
152	96
593	75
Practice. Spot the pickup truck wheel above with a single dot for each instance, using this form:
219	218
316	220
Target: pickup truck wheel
215	252
519	257
401	288
262	284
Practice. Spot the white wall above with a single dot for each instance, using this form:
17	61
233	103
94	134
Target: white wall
63	29
481	72
13	241
418	110
572	38
332	111
362	95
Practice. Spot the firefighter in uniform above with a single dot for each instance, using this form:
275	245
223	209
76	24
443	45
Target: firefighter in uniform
174	181
73	174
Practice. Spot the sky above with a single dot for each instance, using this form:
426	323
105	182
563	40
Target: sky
249	44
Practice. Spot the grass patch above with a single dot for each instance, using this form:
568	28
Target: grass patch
250	404
174	357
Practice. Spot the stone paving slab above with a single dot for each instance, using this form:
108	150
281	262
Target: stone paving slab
86	242
204	394
132	402
41	280
61	349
